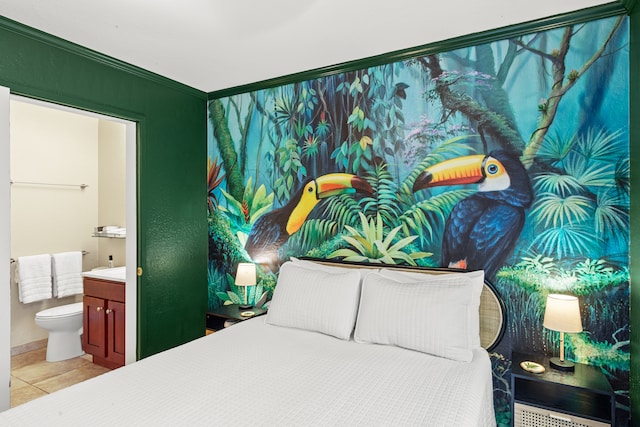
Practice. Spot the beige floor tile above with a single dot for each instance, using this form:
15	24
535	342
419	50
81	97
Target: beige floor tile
23	393
32	376
43	370
69	378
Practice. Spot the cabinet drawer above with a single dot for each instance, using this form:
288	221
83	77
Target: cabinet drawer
114	291
531	416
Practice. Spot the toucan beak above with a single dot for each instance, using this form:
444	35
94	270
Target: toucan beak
461	170
341	183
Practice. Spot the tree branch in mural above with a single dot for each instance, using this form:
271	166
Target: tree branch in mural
452	102
482	229
561	84
273	229
227	149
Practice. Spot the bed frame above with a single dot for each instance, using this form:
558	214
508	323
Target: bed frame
492	308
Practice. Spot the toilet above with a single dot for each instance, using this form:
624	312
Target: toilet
64	324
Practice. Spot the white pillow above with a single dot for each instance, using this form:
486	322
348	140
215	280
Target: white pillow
430	317
476	277
315	300
330	268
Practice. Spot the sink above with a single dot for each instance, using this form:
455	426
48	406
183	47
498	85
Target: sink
116	274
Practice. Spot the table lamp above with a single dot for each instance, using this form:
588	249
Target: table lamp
246	276
563	315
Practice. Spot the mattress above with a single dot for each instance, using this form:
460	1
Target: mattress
256	374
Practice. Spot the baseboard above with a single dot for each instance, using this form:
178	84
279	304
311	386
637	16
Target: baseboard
30	346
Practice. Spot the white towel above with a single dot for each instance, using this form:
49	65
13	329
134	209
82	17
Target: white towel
33	274
67	273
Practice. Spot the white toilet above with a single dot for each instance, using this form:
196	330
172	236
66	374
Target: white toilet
64	324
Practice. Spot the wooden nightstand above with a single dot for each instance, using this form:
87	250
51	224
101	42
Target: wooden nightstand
217	317
581	398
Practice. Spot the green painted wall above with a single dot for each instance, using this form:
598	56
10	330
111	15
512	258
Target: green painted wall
172	227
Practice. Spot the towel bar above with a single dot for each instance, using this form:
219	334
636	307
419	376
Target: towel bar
82	186
11	260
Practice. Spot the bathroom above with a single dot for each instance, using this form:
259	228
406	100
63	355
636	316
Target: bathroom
68	175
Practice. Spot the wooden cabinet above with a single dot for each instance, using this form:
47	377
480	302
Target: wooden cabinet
104	322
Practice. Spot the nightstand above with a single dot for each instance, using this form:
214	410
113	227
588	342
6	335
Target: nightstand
583	398
217	318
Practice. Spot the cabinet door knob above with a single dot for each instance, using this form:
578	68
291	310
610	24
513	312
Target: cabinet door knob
98	308
108	311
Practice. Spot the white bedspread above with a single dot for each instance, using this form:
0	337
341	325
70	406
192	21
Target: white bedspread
254	374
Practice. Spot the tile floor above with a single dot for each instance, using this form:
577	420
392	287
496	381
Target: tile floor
32	376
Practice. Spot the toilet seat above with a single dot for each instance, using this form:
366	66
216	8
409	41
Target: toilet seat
60	311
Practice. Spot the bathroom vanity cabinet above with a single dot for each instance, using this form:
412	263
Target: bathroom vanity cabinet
104	321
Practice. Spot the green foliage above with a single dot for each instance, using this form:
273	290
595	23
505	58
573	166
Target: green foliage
540	264
385	198
371	245
375	121
544	274
236	294
590	267
612	214
215	284
552	210
583	188
556	148
224	247
294	136
421	217
350	154
290	165
566	240
608	355
312	233
243	214
603	291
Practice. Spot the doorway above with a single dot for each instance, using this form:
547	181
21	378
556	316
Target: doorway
129	254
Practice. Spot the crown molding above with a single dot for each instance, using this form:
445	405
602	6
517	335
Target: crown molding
596	12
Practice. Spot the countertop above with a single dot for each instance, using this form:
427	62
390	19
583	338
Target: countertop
115	274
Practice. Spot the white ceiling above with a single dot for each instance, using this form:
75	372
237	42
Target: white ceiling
217	44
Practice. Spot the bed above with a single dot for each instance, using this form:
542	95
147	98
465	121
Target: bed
340	345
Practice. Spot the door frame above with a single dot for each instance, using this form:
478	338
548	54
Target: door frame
131	244
5	254
131	286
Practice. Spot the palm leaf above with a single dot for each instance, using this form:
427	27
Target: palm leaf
565	241
552	210
557	183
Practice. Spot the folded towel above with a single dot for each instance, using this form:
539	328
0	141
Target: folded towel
33	274
67	273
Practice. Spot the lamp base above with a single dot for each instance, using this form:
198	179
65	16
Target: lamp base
245	306
562	365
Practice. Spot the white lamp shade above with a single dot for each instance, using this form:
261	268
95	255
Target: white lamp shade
562	313
246	274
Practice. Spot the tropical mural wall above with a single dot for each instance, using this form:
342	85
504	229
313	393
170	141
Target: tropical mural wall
512	157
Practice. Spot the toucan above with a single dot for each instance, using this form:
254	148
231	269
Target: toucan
273	229
482	230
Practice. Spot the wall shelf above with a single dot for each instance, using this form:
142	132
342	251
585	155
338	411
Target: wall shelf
110	235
